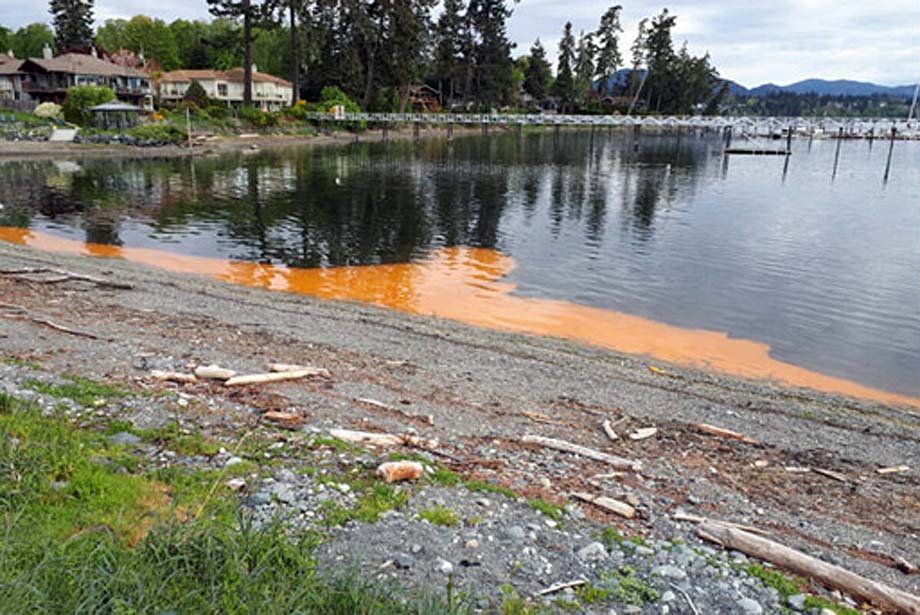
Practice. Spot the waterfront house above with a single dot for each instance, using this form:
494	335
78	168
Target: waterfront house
47	79
270	93
10	78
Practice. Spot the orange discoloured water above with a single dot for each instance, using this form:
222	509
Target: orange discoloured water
463	284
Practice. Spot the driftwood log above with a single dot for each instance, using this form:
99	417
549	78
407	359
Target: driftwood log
805	565
721	432
288	367
609	504
619	463
382	439
272	377
157	374
214	372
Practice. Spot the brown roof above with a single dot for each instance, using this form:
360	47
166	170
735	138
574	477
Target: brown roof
84	64
9	66
234	74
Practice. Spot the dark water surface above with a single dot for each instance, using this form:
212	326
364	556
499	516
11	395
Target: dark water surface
824	270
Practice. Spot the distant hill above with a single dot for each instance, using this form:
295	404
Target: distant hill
840	87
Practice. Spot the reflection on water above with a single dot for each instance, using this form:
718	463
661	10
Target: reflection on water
822	272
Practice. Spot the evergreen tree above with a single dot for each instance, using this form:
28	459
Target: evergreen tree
252	14
281	10
584	68
660	57
539	73
492	53
73	23
449	48
608	56
638	59
564	86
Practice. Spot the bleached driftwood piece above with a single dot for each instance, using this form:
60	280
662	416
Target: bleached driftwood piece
272	377
608	429
619	463
288	367
609	504
721	432
214	372
157	374
805	565
382	439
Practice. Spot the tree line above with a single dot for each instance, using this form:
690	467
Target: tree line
376	50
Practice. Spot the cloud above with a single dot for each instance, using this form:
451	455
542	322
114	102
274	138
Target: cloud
750	41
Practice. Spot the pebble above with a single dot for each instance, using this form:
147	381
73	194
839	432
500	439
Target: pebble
669	571
595	550
123	438
750	607
405	561
472	544
443	566
233	461
515	532
796	601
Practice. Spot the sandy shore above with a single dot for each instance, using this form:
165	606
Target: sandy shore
476	388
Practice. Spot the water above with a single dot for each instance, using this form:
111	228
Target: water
824	270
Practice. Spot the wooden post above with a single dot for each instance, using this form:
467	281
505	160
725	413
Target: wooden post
188	129
728	137
415	131
789	132
637	132
386	131
355	129
894	133
450	131
837	153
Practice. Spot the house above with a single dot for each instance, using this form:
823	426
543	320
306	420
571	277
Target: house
47	79
423	98
268	92
10	78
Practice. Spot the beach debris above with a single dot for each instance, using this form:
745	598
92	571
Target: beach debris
903	565
619	463
214	372
893	470
554	589
538	417
609	504
395	471
62	276
157	374
284	419
799	563
797	469
682	516
721	432
288	367
382	439
831	474
22	313
643	434
236	484
656	370
608	429
274	376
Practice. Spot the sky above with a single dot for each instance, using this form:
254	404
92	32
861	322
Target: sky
750	41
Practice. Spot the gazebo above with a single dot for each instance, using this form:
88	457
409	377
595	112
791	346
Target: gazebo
115	115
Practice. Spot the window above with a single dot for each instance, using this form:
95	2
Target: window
222	89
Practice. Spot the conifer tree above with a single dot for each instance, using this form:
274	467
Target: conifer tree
449	49
584	68
608	53
539	74
564	86
73	23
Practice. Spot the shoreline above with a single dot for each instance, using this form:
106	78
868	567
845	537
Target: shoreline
37	150
479	390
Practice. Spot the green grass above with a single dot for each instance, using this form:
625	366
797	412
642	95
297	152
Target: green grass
631	589
439	515
375	499
172	437
611	537
791	585
480	485
81	390
589	594
16	362
553	511
81	534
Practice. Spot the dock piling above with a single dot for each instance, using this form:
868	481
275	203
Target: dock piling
894	134
837	153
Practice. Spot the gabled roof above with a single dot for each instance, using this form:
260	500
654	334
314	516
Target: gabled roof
234	75
84	64
9	66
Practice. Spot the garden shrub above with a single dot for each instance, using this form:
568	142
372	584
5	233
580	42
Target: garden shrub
80	98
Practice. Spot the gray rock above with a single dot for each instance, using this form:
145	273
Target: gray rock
796	601
443	566
668	596
515	532
750	607
123	438
643	550
669	571
405	561
233	461
595	550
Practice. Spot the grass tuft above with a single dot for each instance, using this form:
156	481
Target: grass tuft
81	390
439	515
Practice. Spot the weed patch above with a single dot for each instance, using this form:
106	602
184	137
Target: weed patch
439	515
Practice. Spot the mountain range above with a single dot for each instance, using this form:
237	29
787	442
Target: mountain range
840	87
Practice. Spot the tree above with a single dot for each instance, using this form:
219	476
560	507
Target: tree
28	41
608	53
492	52
73	23
251	13
584	68
80	98
154	39
638	59
196	94
449	48
111	34
659	55
6	39
290	9
539	74
190	37
564	86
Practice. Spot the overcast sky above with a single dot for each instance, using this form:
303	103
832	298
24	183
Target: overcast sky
751	41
